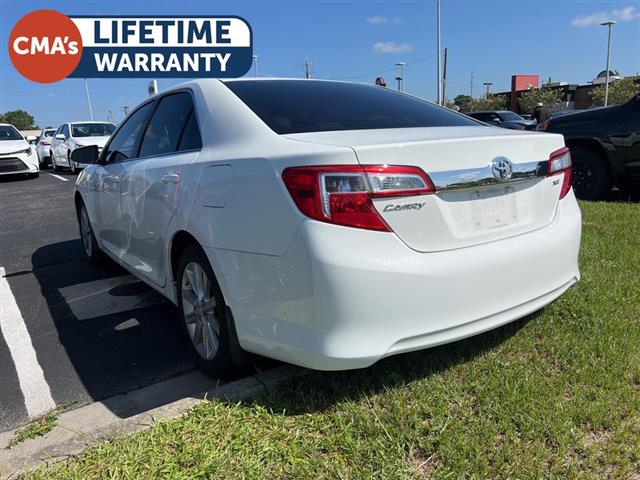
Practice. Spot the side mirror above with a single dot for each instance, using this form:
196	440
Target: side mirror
85	155
61	136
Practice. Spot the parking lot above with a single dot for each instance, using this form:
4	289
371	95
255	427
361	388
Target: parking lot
72	333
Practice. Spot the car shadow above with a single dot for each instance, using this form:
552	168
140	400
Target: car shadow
322	390
632	196
117	333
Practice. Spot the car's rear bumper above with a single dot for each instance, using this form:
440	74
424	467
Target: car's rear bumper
343	298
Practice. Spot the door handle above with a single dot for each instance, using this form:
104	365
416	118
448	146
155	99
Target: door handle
170	178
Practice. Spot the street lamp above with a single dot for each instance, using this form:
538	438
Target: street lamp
608	24
255	64
401	77
487	84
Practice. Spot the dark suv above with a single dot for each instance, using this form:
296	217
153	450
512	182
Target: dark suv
605	147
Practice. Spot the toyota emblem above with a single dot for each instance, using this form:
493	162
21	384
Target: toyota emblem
502	168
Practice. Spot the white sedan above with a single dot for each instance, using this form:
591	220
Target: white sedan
329	224
70	136
16	154
43	145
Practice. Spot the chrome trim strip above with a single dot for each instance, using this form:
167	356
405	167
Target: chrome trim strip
480	177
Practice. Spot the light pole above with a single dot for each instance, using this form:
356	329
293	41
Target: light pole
438	47
487	84
307	69
86	88
255	64
401	77
608	24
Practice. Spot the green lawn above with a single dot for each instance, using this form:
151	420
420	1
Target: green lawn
555	395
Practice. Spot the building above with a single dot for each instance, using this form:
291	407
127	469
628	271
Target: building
574	96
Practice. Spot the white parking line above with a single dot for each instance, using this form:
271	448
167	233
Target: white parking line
35	389
56	176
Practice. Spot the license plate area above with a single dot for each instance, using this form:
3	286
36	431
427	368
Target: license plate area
493	208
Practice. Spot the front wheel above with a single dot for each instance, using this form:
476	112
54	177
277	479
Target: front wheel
591	174
54	165
89	243
72	164
203	313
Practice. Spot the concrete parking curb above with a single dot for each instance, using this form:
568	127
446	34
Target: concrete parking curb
85	426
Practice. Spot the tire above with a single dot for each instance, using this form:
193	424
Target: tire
591	174
34	175
87	237
203	314
72	164
54	166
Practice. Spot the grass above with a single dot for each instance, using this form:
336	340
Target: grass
38	427
555	395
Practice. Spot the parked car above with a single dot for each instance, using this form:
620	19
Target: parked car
16	155
502	118
605	147
328	224
70	136
43	146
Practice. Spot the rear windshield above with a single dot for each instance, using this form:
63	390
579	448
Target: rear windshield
8	132
92	129
48	133
299	106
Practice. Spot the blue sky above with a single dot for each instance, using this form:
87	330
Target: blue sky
357	40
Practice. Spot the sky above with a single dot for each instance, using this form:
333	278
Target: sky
357	41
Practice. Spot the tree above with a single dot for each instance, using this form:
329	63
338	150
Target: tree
19	119
620	91
464	102
547	96
492	102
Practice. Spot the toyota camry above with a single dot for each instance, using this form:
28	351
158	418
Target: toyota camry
329	224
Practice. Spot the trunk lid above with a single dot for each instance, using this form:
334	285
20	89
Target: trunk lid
471	206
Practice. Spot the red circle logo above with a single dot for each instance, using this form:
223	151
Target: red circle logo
45	46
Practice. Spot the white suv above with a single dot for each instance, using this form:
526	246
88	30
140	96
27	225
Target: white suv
70	136
329	224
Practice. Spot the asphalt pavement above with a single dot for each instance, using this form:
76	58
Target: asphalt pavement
71	332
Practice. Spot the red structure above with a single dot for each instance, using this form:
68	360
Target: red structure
521	83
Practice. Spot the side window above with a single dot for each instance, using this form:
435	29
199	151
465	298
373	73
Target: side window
191	139
65	130
170	121
121	146
59	130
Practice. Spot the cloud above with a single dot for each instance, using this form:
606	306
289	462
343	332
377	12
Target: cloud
380	19
623	15
391	47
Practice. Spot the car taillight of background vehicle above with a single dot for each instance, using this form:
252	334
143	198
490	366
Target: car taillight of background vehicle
342	194
560	162
45	142
543	126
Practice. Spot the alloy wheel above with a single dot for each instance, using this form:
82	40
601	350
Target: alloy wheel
85	232
199	309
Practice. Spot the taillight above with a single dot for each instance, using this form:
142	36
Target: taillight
560	162
44	142
341	194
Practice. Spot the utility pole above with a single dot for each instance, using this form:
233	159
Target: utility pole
487	84
471	87
438	46
110	116
307	69
608	24
444	79
401	77
255	64
125	109
86	87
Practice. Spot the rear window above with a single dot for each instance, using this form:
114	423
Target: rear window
299	106
92	129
